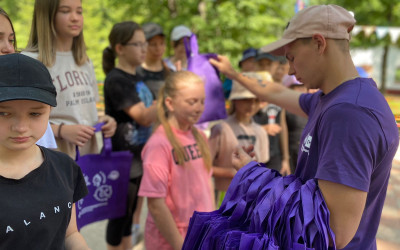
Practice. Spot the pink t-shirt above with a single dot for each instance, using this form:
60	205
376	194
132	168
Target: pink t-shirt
185	188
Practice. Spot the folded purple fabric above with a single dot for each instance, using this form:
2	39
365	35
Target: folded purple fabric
263	210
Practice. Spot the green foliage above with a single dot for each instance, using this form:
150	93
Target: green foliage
370	12
222	26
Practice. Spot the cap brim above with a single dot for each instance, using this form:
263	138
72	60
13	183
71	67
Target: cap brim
27	93
245	58
277	48
150	36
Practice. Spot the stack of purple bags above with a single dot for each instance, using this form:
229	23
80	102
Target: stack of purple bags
263	210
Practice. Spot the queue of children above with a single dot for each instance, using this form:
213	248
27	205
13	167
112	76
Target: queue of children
129	114
150	110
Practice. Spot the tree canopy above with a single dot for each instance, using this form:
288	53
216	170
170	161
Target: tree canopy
223	26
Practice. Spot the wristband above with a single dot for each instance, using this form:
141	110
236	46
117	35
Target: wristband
59	131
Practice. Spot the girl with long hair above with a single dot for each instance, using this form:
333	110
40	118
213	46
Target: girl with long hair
129	100
56	39
176	162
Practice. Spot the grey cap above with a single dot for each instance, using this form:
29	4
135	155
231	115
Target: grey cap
151	30
179	32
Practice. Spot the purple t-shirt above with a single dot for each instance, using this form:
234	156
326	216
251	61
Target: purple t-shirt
351	138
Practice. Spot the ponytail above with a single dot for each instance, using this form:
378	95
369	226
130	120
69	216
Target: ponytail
108	61
204	149
162	116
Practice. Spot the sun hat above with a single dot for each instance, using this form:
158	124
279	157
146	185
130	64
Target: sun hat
331	21
239	91
179	32
248	53
151	30
25	78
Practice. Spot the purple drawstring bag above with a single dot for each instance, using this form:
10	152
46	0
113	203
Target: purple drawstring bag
214	104
107	179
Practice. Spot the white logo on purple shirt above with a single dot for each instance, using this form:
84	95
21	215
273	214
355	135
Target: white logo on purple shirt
306	144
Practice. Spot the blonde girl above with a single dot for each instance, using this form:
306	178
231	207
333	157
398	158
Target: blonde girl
177	163
56	39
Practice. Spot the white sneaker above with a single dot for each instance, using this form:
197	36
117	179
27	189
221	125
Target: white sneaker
135	234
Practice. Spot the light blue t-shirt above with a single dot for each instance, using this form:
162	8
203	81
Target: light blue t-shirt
47	139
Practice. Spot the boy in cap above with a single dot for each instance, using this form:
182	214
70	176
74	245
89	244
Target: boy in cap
178	61
248	62
351	136
153	70
39	187
265	61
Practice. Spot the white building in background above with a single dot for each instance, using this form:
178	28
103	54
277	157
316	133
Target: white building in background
371	59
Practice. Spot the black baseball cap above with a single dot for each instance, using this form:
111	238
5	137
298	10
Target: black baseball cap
264	55
25	78
248	53
151	30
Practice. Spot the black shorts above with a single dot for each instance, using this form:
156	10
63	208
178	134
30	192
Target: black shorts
120	227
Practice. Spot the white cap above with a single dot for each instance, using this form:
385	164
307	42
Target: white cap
179	32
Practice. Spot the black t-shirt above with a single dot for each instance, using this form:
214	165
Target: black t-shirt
35	210
153	80
123	90
295	126
261	117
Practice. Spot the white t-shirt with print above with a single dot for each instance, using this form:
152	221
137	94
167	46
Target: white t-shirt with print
77	94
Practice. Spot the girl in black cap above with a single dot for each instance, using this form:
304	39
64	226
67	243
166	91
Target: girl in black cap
38	187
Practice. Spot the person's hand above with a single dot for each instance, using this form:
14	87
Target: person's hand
178	65
272	129
241	156
109	127
77	134
224	66
285	170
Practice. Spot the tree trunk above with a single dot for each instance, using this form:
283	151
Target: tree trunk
384	68
172	8
202	7
386	51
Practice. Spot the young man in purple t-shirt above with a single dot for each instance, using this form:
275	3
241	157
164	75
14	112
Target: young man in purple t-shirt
351	136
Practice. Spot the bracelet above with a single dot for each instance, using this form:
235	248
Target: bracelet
59	131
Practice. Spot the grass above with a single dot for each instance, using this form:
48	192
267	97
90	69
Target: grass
394	103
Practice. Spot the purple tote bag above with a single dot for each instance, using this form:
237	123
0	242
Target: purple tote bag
214	105
107	179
